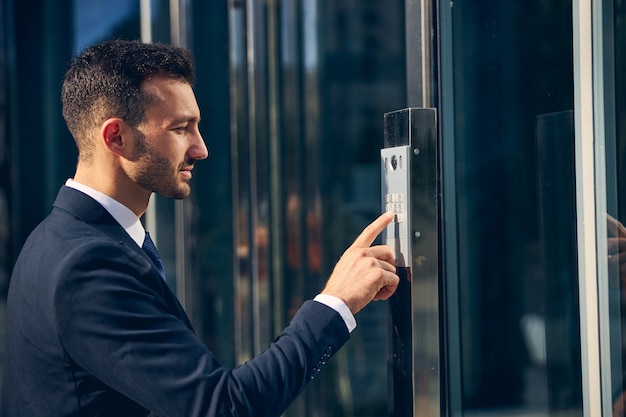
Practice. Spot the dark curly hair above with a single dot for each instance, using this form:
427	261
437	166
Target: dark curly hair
105	81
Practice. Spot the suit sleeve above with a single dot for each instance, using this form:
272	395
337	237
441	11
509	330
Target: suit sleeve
115	323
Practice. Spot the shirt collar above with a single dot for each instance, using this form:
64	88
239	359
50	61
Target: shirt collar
122	214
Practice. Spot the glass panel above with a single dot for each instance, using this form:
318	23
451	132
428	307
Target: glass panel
510	73
310	82
241	186
362	76
611	255
5	178
161	30
122	21
210	213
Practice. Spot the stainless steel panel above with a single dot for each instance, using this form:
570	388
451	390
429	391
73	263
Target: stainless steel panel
415	358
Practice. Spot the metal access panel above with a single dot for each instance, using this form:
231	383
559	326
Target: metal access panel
396	181
410	177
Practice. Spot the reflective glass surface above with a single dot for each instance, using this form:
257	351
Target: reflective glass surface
5	183
122	20
310	82
292	95
612	269
507	94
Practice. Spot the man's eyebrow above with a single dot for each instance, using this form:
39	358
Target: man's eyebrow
184	119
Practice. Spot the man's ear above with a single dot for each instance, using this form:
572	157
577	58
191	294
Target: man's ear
115	135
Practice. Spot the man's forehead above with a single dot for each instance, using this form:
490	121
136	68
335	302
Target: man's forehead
172	100
160	85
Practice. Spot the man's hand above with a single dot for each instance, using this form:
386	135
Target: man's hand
364	272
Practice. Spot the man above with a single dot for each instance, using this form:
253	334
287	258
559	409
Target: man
93	329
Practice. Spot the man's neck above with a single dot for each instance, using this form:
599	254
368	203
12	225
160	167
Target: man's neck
122	190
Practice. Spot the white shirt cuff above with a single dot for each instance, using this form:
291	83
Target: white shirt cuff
340	307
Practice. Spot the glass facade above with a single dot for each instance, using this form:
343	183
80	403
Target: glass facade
309	84
292	95
611	204
512	124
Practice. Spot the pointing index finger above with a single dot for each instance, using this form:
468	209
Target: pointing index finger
369	234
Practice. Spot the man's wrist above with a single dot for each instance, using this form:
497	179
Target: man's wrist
340	307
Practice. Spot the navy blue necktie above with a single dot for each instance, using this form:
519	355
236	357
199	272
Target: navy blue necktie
151	251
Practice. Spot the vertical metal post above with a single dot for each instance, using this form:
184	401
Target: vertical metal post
145	13
420	65
415	308
182	208
586	215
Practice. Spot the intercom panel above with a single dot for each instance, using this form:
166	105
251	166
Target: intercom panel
396	185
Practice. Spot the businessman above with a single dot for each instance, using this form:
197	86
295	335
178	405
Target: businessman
93	329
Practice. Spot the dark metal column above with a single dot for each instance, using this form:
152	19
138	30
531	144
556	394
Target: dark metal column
415	372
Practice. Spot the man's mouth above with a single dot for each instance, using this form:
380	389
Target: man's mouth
186	172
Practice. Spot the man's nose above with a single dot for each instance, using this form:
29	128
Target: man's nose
199	149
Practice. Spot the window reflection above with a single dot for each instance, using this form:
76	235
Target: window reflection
616	268
310	84
90	26
5	187
615	119
513	131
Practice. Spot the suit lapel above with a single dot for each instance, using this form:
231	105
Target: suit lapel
90	211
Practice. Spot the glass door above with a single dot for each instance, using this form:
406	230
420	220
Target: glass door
507	122
610	139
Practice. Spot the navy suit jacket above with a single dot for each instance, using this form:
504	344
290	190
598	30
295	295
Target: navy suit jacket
93	330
